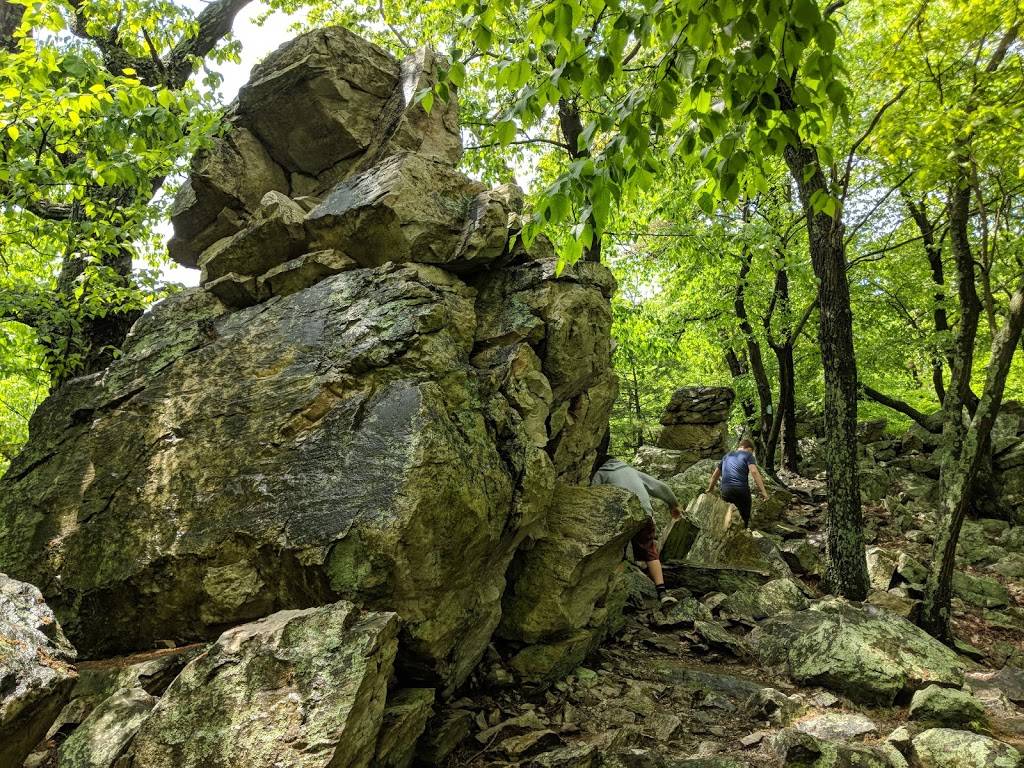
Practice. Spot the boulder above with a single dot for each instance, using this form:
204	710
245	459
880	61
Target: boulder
838	726
947	707
275	234
699	405
358	102
405	717
560	587
770	599
215	200
662	463
870	657
949	748
299	688
36	675
695	422
97	681
795	748
412	208
881	567
722	540
980	591
103	736
801	555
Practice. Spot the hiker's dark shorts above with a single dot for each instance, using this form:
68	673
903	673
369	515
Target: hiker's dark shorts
741	498
645	543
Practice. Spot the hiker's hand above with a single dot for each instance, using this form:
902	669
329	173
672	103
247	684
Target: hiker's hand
764	495
676	513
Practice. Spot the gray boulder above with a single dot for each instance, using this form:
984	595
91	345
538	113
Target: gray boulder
980	591
36	675
412	208
103	736
867	656
949	748
324	106
298	688
770	599
947	707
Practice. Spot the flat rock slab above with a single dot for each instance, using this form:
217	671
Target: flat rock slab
870	657
303	688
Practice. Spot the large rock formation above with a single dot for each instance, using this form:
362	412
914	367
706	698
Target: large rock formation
371	397
35	673
695	422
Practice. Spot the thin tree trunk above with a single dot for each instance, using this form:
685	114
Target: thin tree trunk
933	250
757	369
784	424
846	567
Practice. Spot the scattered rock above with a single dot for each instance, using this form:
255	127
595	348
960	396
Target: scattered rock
881	567
36	676
775	597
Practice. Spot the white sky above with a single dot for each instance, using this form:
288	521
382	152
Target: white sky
257	42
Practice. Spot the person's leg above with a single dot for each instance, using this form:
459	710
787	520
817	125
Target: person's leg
645	543
743	504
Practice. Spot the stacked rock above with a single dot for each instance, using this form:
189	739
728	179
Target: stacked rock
695	422
375	397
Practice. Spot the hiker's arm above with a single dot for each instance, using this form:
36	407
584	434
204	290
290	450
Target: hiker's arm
759	481
714	478
661	490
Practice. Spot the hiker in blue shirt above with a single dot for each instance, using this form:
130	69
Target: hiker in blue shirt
734	470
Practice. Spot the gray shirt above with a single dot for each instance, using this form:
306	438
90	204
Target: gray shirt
640	484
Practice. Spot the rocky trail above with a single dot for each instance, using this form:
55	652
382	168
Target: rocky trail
331	508
684	687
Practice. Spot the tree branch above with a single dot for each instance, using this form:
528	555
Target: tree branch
933	423
867	132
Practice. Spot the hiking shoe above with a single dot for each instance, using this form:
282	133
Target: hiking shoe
667	600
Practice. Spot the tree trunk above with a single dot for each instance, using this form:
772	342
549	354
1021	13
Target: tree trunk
571	125
846	567
933	250
755	361
785	414
962	458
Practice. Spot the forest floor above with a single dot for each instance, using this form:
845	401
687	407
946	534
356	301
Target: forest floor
659	696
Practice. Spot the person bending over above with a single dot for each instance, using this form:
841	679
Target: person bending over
612	471
734	469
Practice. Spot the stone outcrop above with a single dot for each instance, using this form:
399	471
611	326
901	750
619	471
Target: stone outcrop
298	688
695	422
36	675
949	748
371	397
